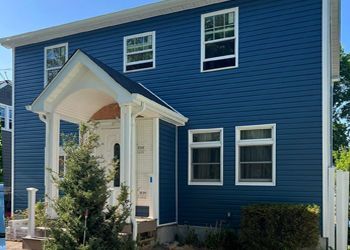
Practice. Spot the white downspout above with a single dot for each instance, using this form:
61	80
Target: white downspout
134	171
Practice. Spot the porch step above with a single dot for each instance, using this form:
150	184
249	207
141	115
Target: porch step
33	243
146	230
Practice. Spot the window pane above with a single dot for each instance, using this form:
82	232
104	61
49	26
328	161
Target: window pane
216	64
61	167
140	57
219	20
206	172
256	171
2	117
229	18
217	49
256	134
51	74
209	22
139	66
205	155
139	44
116	160
55	57
206	137
256	153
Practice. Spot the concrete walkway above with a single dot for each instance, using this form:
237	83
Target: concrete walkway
13	245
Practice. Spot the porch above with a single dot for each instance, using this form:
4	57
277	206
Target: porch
128	114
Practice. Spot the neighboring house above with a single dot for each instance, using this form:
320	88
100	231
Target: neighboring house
209	105
6	134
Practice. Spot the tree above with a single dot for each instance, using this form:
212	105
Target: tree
82	220
341	104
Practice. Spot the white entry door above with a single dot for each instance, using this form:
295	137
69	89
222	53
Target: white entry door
109	150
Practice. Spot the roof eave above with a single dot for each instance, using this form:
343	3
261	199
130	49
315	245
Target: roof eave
124	16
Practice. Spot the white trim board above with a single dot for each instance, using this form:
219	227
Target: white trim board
326	112
13	134
120	17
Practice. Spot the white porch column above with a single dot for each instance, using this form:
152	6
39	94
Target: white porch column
51	159
125	144
31	212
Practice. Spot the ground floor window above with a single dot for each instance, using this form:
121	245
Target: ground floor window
205	157
256	155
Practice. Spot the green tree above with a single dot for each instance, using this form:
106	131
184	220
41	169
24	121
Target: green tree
82	220
341	104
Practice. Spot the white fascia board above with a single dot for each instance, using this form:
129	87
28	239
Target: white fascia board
165	113
124	16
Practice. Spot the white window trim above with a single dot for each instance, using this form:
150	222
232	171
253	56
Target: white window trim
7	117
236	37
271	141
153	34
45	57
205	144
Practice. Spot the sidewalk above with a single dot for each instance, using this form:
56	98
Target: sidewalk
13	245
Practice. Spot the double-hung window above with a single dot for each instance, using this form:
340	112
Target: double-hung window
256	155
205	157
139	51
6	117
219	35
55	57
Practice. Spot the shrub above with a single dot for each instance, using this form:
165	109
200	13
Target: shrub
279	226
191	238
221	239
83	219
40	214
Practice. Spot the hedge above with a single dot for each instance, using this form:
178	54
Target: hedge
280	226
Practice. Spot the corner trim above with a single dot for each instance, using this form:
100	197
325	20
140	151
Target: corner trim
326	113
13	135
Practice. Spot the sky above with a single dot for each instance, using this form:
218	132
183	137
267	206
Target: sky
22	16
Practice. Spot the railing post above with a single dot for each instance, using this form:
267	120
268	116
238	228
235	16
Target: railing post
31	211
342	189
331	206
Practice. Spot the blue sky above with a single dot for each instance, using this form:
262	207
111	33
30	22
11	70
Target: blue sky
23	16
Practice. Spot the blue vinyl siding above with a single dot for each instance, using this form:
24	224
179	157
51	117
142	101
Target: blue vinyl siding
167	171
278	81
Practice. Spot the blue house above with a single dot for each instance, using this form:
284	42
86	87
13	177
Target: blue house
209	105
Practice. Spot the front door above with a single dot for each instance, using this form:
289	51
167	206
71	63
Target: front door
109	150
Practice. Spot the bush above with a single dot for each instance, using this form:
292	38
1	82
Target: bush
191	238
279	226
40	214
221	239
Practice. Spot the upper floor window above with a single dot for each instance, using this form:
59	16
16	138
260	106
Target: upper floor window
256	155
139	52
205	157
55	58
219	45
6	117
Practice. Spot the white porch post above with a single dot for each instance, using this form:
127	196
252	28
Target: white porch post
51	159
125	143
31	212
126	170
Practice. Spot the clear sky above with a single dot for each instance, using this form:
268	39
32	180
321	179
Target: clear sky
19	16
